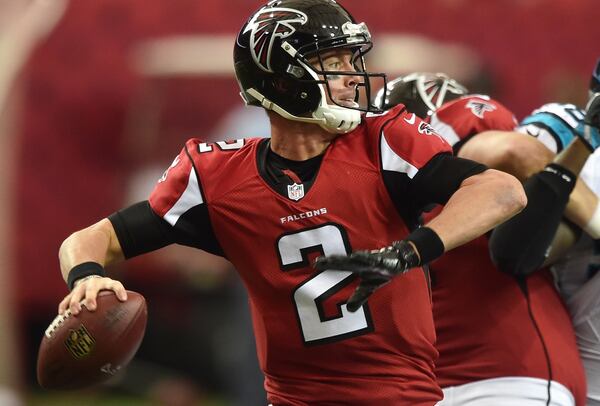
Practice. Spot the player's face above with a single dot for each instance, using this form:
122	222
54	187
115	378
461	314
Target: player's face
342	87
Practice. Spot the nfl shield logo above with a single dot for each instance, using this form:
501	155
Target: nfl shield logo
80	343
296	191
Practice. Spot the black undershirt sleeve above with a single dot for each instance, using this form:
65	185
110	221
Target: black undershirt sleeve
520	245
434	183
140	230
437	181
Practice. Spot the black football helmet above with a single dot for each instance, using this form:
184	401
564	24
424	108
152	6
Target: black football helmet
421	92
272	54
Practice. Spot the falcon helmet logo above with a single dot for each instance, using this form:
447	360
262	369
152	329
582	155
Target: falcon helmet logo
268	24
480	107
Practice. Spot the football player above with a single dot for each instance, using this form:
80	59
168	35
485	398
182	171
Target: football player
576	274
502	340
329	181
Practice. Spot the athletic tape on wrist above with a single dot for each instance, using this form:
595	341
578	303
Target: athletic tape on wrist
428	244
593	226
83	270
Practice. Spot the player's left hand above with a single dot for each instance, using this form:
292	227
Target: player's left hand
374	268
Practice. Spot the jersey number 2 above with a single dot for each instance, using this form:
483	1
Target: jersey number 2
308	297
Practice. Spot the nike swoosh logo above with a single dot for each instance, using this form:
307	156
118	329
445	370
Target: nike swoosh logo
411	120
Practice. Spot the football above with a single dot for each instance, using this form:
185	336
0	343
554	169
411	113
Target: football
91	347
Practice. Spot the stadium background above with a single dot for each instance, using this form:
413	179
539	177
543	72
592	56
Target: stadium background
96	98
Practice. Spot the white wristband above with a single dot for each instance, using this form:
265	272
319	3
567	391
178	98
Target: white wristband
593	226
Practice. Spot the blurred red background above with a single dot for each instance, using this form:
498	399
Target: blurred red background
88	116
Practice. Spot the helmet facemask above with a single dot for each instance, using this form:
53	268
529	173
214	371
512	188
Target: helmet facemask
342	116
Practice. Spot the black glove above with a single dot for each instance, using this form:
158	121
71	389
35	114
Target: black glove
375	268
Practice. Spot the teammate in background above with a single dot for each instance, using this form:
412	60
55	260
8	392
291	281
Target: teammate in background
502	341
268	205
576	272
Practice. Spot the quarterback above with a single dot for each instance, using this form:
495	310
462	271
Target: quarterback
337	177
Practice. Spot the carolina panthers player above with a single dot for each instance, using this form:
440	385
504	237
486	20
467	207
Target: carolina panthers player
328	181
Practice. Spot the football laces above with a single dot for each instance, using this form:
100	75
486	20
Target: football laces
58	320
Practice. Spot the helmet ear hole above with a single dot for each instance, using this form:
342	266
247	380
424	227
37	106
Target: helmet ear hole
297	97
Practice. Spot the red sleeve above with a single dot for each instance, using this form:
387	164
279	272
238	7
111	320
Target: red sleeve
178	190
460	119
408	144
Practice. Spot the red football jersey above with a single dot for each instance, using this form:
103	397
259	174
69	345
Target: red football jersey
310	348
482	317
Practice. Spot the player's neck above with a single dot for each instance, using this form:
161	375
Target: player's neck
298	141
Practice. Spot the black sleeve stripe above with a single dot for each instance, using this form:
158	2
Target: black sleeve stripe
557	117
576	114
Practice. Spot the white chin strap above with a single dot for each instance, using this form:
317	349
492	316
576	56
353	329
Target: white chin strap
334	119
338	119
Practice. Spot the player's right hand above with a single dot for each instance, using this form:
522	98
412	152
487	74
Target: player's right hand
85	293
374	268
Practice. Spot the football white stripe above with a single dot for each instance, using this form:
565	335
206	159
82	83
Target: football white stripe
190	197
392	162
